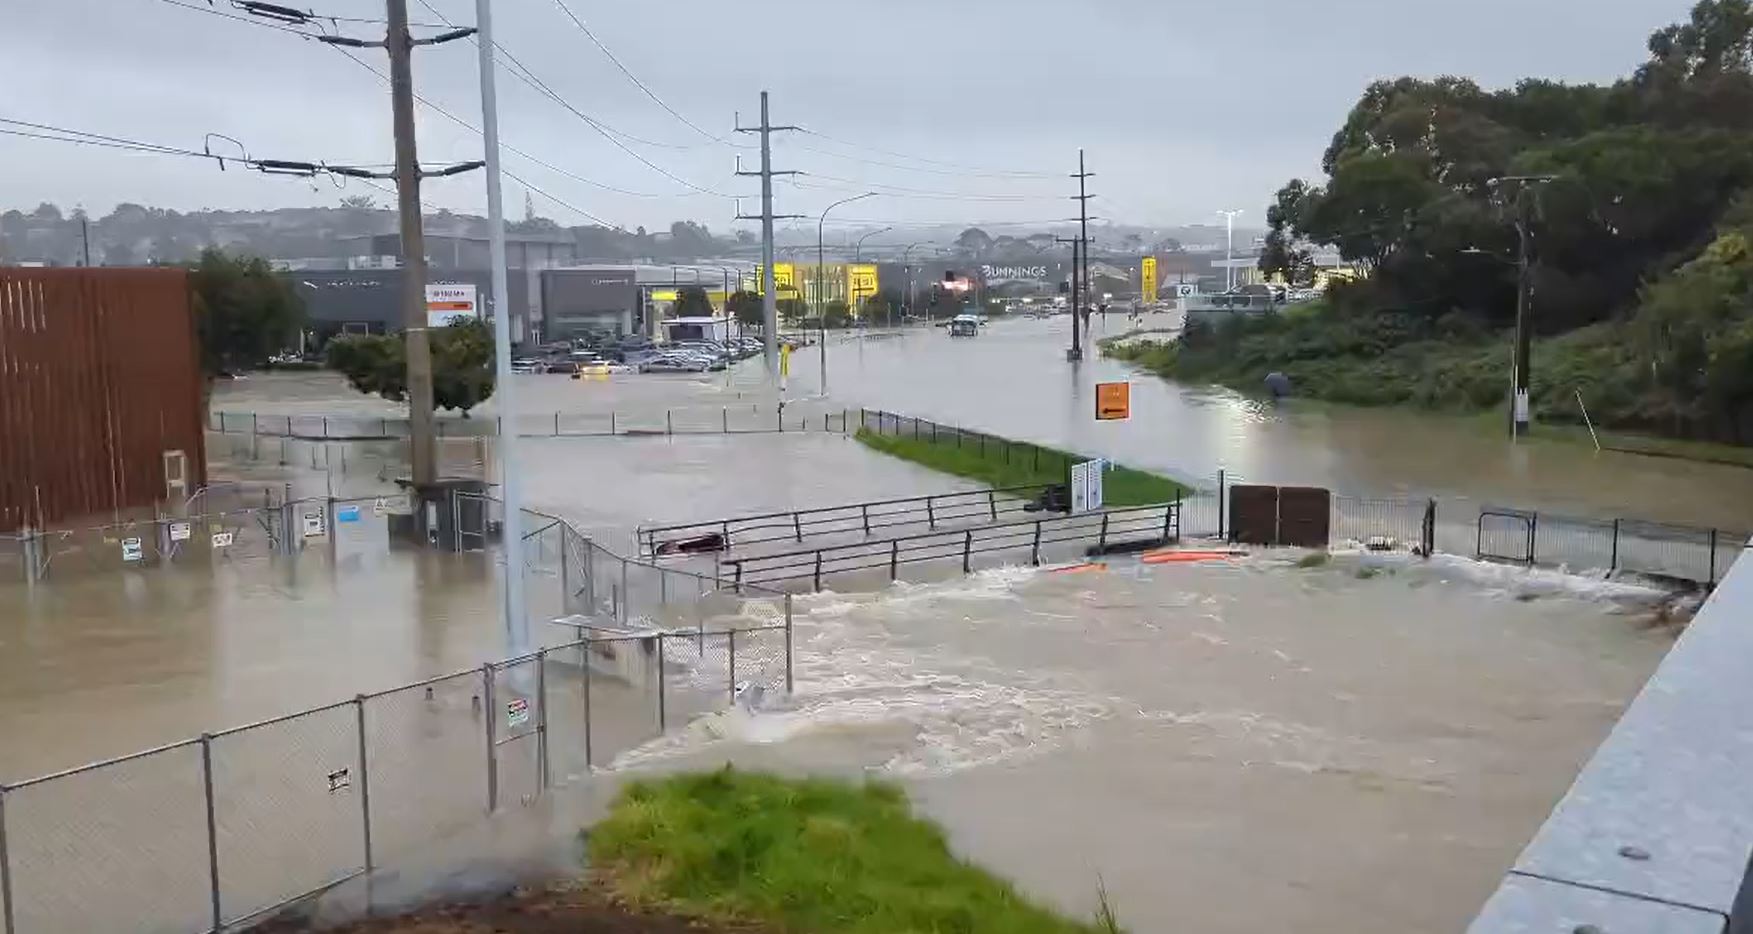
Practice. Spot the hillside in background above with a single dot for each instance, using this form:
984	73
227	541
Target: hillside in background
1638	198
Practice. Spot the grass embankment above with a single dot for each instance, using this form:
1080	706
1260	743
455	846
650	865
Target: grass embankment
814	855
1449	366
1001	462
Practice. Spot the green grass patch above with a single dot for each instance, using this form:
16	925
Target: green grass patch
812	855
1002	462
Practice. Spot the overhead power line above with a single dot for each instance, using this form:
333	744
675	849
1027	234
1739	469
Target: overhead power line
947	168
522	72
642	86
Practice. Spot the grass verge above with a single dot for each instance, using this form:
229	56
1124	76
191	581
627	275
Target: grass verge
1002	462
813	855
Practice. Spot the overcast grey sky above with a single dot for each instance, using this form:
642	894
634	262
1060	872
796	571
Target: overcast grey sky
1184	106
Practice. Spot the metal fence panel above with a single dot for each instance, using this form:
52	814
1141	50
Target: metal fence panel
623	695
426	757
287	808
116	847
518	756
1506	535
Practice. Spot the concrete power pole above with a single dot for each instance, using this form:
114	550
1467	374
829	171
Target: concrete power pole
517	626
1081	243
769	295
1229	254
422	451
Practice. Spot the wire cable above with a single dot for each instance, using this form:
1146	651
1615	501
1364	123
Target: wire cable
951	168
638	83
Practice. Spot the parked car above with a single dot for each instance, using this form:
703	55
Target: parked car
675	363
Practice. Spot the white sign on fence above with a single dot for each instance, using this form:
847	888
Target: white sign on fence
313	524
131	549
180	531
517	712
221	539
1086	485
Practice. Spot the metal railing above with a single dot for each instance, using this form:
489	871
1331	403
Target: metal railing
986	446
1128	528
743	418
213	832
864	518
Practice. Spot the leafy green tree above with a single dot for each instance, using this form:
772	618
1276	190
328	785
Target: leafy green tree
691	302
792	310
462	364
837	315
244	313
746	307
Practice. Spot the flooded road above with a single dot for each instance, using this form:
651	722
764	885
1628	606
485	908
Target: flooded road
1225	748
1013	380
1362	746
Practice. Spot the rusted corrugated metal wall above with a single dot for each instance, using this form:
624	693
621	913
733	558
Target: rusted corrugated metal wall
99	376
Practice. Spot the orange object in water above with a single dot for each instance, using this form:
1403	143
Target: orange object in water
1079	569
1175	557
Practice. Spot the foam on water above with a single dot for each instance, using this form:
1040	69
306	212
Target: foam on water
939	710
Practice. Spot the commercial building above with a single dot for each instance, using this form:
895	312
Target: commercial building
579	301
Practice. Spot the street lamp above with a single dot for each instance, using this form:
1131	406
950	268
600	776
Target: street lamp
858	251
821	306
1229	256
907	272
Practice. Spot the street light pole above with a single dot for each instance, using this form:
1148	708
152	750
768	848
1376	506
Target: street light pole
821	306
1229	255
517	626
1520	403
858	251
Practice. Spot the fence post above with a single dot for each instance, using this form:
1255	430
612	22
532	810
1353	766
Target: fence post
864	510
797	526
894	558
1102	540
662	712
1429	527
364	785
818	569
1613	563
1712	557
1169	510
934	432
1220	503
967	549
212	831
992	504
732	637
585	649
1035	550
492	716
1533	527
930	515
916	428
6	919
789	682
669	423
542	717
624	595
724	420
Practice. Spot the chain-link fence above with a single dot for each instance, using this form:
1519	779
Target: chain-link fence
342	525
213	832
260	433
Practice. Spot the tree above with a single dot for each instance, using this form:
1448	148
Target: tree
244	313
792	310
462	364
837	315
746	307
974	240
359	203
691	302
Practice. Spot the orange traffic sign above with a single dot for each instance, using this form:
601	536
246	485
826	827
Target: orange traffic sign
1113	401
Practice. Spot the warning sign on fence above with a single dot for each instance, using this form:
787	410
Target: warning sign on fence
180	531
221	539
517	712
131	549
313	524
